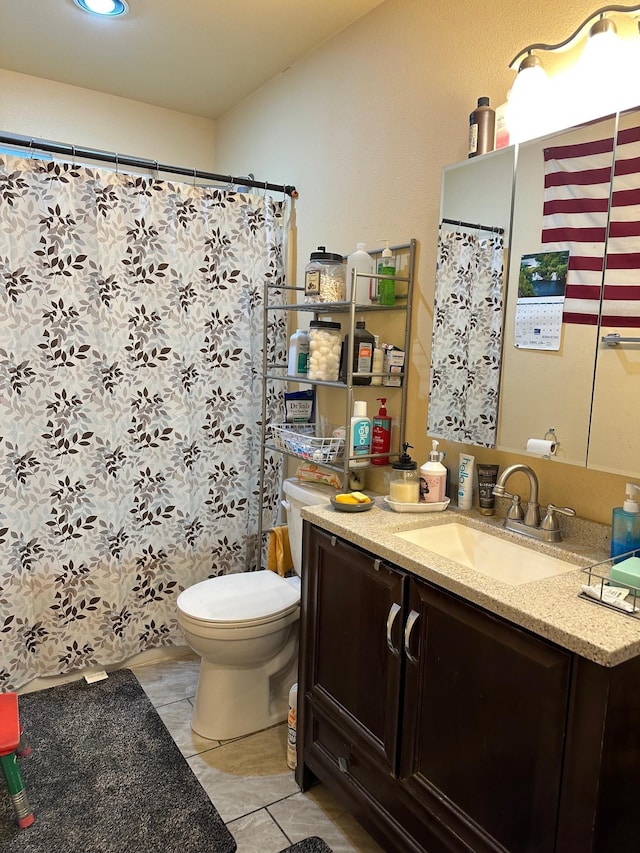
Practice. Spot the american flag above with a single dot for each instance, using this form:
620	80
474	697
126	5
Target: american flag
578	186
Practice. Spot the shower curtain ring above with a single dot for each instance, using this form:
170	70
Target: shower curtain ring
73	156
116	159
195	175
31	149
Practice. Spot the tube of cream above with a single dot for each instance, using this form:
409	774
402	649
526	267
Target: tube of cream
487	478
465	481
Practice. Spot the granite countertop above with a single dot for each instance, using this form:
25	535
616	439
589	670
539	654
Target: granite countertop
550	607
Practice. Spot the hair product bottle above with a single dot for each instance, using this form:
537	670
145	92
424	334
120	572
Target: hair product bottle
482	128
381	441
299	354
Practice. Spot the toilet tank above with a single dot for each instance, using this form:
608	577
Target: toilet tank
297	495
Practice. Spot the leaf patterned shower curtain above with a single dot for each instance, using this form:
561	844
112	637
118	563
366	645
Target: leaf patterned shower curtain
130	400
467	339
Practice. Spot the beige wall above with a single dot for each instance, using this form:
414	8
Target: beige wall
31	106
363	128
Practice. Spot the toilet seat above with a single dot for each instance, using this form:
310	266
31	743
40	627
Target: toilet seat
239	600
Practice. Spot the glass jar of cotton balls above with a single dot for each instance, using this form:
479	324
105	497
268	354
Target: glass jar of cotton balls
325	343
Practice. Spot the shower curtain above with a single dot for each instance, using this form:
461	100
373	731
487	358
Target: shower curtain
130	359
467	339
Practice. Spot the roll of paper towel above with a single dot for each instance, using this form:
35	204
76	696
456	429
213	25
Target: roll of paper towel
541	446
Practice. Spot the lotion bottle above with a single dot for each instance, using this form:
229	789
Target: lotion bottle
381	441
359	436
625	523
433	476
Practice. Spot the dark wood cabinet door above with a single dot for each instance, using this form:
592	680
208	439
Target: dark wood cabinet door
484	719
351	636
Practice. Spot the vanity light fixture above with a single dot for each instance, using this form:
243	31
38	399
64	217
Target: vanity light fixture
105	8
602	81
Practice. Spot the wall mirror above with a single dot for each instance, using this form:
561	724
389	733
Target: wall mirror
581	387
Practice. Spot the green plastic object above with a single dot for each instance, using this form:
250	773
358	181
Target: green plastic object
626	573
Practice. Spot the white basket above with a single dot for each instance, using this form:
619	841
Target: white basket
310	441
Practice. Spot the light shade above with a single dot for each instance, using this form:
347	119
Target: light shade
529	111
106	8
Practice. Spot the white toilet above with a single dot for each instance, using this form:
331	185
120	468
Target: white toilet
244	626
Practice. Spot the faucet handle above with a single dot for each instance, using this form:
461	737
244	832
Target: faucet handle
550	521
515	511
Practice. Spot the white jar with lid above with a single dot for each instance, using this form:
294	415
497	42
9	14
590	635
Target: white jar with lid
325	277
325	344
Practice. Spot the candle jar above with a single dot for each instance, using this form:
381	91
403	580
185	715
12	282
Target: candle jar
404	486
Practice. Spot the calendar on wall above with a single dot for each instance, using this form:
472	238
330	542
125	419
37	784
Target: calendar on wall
541	292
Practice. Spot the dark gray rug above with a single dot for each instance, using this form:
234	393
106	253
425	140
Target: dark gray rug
105	776
308	845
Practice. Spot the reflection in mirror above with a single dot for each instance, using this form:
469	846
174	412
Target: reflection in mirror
561	201
468	301
614	443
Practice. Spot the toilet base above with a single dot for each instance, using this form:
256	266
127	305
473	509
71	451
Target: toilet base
231	703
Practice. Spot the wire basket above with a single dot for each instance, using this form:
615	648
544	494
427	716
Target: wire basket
318	442
602	589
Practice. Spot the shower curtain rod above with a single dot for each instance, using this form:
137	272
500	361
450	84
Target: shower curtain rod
473	225
138	162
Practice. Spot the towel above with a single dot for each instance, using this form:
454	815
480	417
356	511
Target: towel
279	557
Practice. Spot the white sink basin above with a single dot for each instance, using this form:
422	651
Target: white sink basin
491	555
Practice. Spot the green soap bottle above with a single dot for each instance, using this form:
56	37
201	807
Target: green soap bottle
387	286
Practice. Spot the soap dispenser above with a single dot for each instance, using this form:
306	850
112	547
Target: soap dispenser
404	487
387	285
433	475
625	523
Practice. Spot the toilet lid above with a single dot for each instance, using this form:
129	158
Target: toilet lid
240	597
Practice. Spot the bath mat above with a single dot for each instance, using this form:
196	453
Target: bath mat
308	845
105	776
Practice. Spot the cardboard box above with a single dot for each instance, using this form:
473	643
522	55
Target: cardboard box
393	365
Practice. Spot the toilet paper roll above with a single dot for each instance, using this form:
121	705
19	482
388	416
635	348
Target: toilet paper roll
541	446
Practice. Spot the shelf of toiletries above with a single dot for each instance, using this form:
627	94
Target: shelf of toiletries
615	584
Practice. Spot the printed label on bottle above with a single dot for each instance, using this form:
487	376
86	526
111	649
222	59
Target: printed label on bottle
312	283
473	138
361	438
365	354
302	367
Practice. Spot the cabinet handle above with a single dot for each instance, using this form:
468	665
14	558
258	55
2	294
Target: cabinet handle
411	621
391	618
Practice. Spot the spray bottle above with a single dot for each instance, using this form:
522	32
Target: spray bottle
387	286
381	441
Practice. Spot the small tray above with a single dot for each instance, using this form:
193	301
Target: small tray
421	507
340	507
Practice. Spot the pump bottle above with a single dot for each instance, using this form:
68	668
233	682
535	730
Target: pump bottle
433	477
381	441
387	286
625	524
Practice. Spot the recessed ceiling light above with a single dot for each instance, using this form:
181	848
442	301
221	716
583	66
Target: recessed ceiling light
108	8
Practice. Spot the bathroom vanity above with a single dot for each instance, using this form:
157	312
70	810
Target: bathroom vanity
450	710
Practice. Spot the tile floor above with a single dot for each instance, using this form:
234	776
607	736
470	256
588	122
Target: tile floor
248	779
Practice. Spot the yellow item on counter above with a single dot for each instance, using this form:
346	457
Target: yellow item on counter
352	498
279	557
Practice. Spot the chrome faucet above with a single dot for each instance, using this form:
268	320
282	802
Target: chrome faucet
528	523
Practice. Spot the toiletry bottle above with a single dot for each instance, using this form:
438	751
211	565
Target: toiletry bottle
299	354
387	286
381	441
625	524
433	477
482	127
377	365
363	343
404	487
465	481
359	436
362	262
